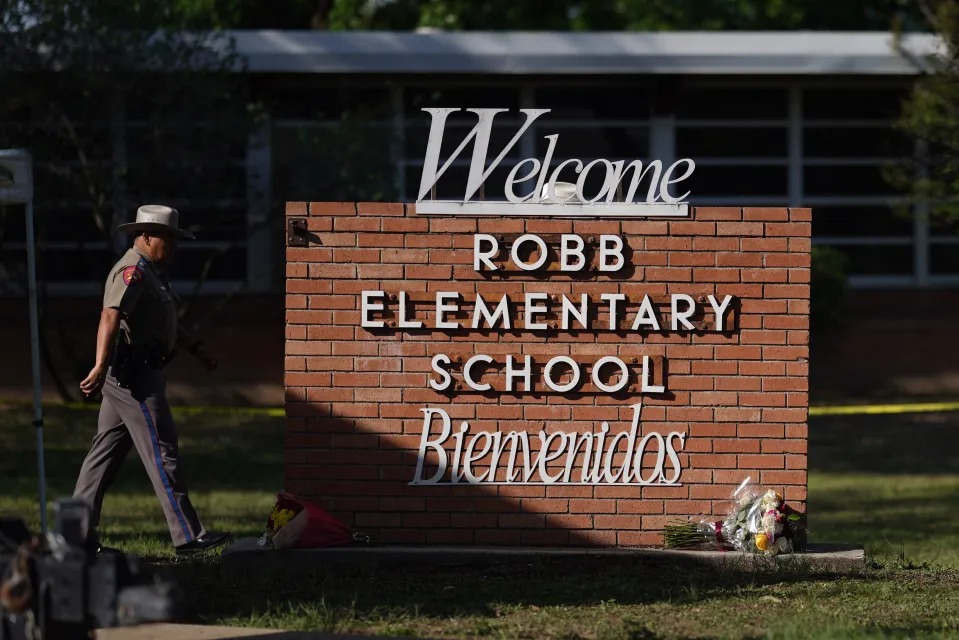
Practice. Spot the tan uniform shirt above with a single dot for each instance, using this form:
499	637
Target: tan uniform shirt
142	293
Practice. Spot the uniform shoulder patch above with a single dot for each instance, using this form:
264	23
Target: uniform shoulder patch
132	275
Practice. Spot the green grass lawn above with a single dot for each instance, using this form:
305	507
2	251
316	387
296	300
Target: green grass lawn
888	482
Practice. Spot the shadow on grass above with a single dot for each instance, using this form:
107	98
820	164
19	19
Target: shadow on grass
476	590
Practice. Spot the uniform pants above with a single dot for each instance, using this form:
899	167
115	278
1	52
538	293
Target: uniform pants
138	417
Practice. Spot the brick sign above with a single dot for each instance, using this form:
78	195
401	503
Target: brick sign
541	381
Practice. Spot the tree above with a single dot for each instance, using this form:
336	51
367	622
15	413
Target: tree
114	102
930	115
542	15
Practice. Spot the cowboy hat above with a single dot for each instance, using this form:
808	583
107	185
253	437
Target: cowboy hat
157	218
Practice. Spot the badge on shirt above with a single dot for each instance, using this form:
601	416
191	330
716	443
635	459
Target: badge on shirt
132	275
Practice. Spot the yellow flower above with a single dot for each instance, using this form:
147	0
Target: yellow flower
762	541
281	517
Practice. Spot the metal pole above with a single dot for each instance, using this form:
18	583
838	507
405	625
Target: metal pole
35	357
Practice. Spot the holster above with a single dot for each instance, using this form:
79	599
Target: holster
122	364
128	359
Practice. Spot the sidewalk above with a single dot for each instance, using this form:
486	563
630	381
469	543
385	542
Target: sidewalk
244	557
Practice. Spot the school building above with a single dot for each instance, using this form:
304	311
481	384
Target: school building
791	119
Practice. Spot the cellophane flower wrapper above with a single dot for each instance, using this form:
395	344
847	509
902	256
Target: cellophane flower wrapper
286	509
758	521
295	523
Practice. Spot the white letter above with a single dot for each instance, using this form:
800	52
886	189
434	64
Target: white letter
678	316
526	373
502	312
673	458
471	456
547	160
612	299
606	251
623	378
646	386
568	251
630	437
582	315
435	445
529	309
481	257
660	458
646	315
442	308
542	252
446	381
546	456
581	182
548	377
481	132
664	185
511	180
404	323
719	309
366	306
638	173
468	373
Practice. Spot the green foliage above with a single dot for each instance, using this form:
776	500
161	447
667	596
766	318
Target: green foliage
930	115
542	15
827	288
351	159
113	109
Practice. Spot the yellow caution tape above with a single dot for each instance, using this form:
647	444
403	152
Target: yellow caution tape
879	409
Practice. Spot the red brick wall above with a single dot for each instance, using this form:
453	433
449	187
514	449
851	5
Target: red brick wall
354	396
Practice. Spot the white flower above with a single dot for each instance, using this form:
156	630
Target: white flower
769	523
770	500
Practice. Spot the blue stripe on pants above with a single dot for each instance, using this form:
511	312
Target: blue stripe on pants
154	438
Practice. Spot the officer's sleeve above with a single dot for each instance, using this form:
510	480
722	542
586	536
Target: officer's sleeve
123	289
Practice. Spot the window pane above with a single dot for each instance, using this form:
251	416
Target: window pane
944	259
848	181
851	103
589	143
878	260
626	101
732	103
860	221
737	181
190	264
13	223
58	265
698	142
854	142
416	98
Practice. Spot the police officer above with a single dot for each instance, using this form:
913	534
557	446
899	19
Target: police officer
137	335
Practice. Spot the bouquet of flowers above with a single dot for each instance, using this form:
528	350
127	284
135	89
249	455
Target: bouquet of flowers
298	524
758	522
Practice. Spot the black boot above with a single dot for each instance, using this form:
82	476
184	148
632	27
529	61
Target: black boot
204	543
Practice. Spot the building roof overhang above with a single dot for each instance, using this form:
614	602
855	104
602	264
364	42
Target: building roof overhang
556	53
